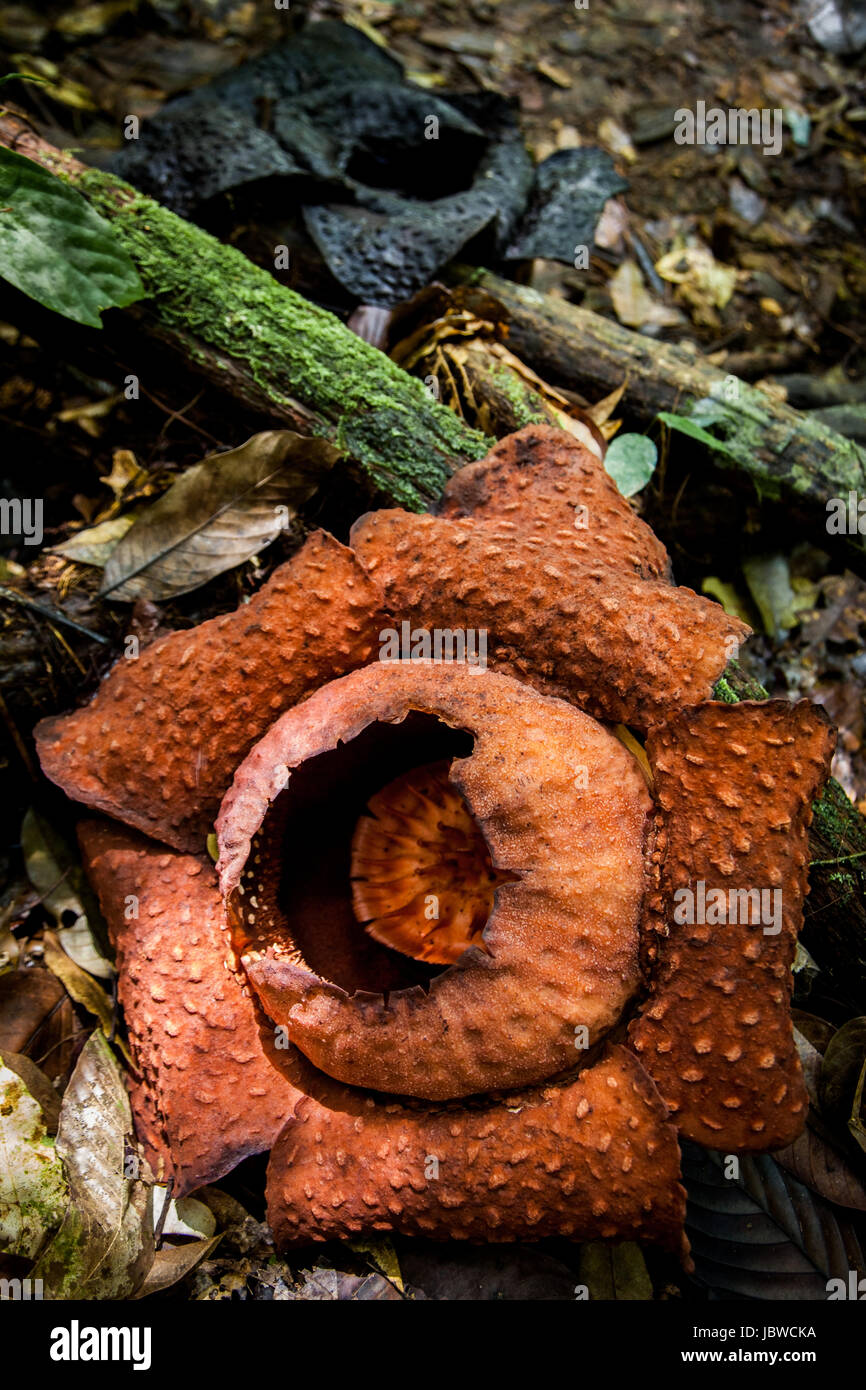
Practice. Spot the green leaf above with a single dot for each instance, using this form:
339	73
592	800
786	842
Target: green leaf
56	249
24	77
709	411
769	581
727	596
630	460
686	426
615	1272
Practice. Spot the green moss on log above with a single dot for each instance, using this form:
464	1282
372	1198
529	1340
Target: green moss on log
524	402
406	443
788	454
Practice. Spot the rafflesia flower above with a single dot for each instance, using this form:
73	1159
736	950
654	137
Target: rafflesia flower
473	957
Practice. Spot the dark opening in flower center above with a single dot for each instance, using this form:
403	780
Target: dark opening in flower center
422	879
361	845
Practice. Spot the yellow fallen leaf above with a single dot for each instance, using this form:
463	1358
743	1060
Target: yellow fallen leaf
381	1254
628	740
701	276
603	409
126	471
93	19
81	987
558	76
616	139
633	304
93	546
73	94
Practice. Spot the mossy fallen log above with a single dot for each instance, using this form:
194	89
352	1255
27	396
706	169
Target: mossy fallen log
267	347
789	456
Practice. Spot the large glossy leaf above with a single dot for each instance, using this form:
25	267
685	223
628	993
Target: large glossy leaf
55	248
216	515
764	1235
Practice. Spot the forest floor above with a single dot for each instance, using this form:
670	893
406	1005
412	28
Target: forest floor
754	262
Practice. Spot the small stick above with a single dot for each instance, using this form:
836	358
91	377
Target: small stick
53	614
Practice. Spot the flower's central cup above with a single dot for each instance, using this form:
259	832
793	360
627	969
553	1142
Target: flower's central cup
422	878
434	879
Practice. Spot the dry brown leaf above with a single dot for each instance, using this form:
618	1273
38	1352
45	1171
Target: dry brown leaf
104	1247
82	987
37	1018
175	1262
633	303
216	515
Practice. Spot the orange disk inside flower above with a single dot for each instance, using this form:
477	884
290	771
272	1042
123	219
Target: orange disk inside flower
422	878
